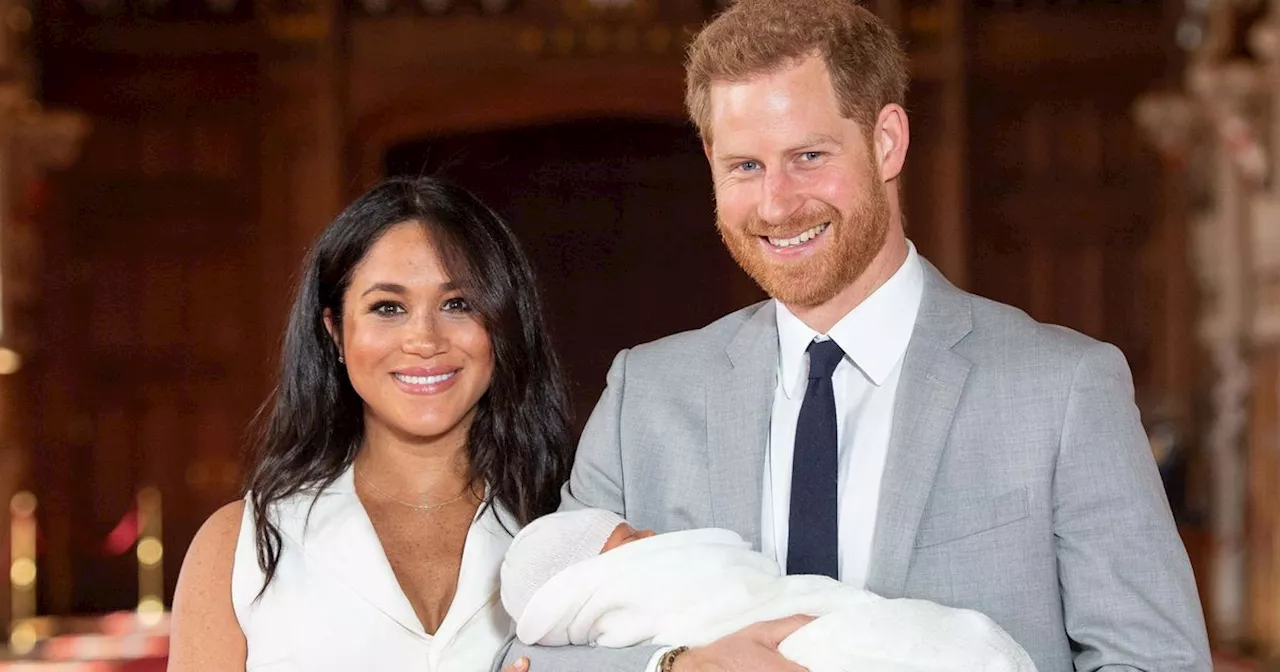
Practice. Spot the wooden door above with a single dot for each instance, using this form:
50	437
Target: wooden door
1068	213
617	217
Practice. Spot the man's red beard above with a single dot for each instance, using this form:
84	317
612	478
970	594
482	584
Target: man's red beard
850	246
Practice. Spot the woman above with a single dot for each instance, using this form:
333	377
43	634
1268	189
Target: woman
420	417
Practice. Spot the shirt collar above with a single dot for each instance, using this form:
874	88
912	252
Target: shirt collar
874	335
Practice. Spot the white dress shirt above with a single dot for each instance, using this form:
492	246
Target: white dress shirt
874	337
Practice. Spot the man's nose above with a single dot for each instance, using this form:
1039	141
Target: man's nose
779	198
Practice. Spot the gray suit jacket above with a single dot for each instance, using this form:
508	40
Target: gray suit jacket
1019	481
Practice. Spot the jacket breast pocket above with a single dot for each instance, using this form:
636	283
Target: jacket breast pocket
973	518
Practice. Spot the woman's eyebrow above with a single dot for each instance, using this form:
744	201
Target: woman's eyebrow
396	288
385	287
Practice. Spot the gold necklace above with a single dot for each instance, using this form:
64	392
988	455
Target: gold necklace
419	507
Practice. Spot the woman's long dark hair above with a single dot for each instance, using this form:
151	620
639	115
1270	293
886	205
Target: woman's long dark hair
519	441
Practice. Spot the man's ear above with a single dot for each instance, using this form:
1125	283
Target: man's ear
891	137
333	334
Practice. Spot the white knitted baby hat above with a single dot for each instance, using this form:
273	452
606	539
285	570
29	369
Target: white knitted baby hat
548	546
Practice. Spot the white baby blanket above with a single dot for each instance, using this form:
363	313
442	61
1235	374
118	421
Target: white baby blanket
696	586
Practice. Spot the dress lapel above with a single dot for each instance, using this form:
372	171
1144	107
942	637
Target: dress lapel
335	533
929	389
739	403
487	542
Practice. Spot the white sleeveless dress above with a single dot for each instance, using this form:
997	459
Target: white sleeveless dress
335	604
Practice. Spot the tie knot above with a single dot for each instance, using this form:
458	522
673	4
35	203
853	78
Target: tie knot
824	356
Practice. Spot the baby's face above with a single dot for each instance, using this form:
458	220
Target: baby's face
624	534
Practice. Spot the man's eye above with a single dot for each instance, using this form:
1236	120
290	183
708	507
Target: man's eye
749	166
811	156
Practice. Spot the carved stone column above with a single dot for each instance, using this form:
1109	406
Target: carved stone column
32	142
1261	267
1224	130
302	133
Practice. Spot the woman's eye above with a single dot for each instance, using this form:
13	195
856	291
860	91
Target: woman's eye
386	308
456	305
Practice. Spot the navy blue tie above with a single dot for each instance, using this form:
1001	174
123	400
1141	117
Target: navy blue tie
813	534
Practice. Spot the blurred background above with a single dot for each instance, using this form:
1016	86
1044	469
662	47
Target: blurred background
1103	164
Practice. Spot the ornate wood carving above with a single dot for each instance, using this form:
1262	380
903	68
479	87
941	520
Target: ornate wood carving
1221	130
32	141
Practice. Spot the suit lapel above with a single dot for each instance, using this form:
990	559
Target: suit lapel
929	389
739	403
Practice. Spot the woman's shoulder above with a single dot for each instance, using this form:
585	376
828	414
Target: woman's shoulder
207	567
225	521
222	556
204	621
212	550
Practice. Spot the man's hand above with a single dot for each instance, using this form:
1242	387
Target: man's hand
751	649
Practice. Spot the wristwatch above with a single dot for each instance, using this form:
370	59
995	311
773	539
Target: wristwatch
668	661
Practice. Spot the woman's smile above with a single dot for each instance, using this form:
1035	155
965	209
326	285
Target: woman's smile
434	380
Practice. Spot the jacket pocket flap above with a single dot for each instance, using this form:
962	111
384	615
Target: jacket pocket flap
979	516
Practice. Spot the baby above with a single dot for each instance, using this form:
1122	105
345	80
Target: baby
588	578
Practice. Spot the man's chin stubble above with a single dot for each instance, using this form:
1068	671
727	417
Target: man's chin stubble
801	297
800	290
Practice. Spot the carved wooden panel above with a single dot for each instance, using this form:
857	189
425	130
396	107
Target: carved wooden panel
1066	215
154	356
617	217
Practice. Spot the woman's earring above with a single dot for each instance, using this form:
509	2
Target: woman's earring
340	359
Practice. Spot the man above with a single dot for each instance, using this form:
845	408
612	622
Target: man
871	421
